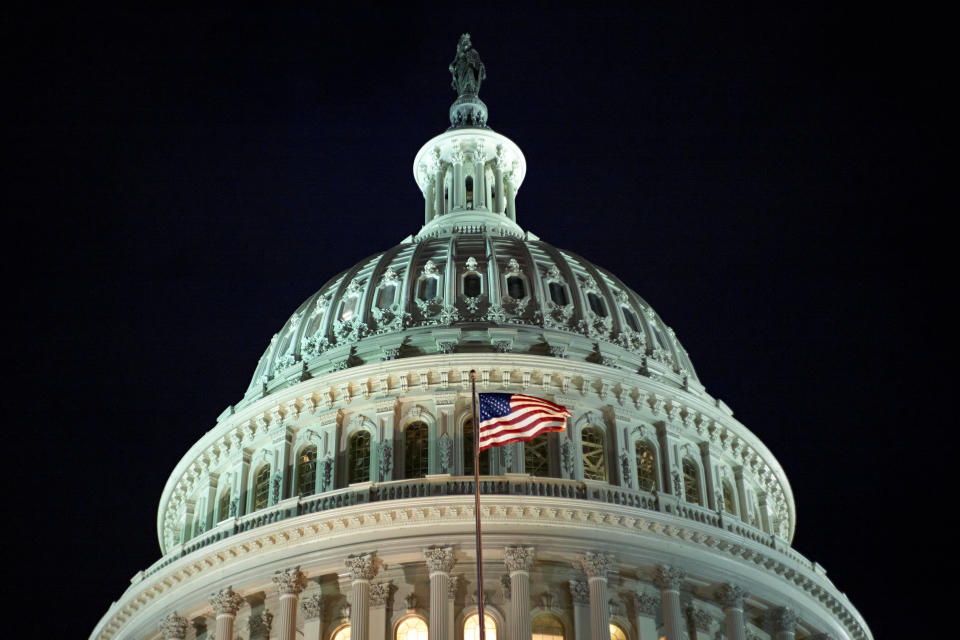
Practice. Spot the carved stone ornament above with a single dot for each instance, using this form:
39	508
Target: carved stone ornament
430	268
439	558
471	264
410	602
668	578
226	602
389	276
385	464
730	596
648	604
594	564
699	618
290	582
174	627
783	620
380	593
445	449
312	606
452	585
518	558
362	566
344	611
625	470
580	592
261	624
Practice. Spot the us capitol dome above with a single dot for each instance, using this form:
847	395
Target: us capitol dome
334	500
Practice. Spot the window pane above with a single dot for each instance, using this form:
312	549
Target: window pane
547	627
691	482
515	288
594	460
306	470
631	320
558	294
428	288
471	285
412	628
358	457
646	465
223	510
729	503
616	633
387	293
471	627
416	450
596	305
347	308
536	456
261	488
342	634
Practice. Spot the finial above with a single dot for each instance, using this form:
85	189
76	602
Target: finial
468	72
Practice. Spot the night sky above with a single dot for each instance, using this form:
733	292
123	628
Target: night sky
178	182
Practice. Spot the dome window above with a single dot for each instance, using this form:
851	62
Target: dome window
307	470
347	308
646	458
594	456
223	507
358	457
691	482
596	304
516	288
729	500
261	488
631	319
429	288
471	627
416	450
386	296
558	294
471	285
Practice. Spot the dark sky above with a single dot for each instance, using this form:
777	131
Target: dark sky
180	181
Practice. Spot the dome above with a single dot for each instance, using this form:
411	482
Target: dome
472	290
348	480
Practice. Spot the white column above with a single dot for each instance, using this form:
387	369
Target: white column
731	598
518	560
438	190
429	200
289	584
479	182
379	595
174	627
580	594
312	617
225	605
784	623
363	567
668	580
511	194
498	202
451	603
596	565
440	561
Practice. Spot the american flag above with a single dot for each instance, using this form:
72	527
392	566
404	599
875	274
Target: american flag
512	417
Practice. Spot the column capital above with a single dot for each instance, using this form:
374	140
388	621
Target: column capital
783	619
668	578
439	558
312	606
363	566
518	558
731	596
699	618
174	627
261	624
380	593
580	592
594	564
452	587
226	602
290	581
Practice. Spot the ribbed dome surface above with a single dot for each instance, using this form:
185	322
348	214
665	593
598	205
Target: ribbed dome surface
476	291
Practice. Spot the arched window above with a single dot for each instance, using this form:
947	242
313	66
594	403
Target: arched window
596	305
646	465
547	627
411	628
516	289
358	457
223	506
594	457
616	633
343	633
387	294
558	294
469	192
471	285
631	319
416	450
691	481
729	501
307	470
471	627
261	488
536	456
468	452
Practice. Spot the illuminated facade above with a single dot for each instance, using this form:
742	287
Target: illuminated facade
334	500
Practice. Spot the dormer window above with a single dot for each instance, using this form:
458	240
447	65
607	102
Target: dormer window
596	304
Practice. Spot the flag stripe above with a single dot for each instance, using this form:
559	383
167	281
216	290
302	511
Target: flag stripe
507	418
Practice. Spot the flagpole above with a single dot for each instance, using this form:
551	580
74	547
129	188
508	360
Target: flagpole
476	500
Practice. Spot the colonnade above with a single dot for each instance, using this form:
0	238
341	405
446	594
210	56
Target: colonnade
367	611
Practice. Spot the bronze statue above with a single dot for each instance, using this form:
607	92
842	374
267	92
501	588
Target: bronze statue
467	68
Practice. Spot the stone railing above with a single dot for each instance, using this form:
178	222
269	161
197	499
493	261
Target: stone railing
508	485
